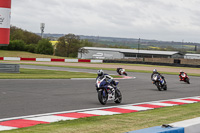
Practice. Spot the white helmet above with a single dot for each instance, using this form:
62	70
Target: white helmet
100	72
154	70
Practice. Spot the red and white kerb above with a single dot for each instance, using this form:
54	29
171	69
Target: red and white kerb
5	15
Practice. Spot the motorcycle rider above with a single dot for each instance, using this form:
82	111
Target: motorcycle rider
181	72
118	70
109	79
156	72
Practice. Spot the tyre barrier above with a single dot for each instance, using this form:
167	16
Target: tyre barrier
186	126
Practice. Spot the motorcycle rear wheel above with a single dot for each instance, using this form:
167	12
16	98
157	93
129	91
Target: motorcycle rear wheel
103	98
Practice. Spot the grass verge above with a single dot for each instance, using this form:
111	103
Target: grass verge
47	74
118	123
7	53
113	69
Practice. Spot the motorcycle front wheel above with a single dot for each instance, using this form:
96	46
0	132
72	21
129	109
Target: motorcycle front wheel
165	87
158	86
102	96
118	96
187	80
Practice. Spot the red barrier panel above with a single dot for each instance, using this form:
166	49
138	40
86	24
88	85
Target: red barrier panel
83	60
5	15
1	58
28	59
60	60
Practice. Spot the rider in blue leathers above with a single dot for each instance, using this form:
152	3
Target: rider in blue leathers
156	72
109	79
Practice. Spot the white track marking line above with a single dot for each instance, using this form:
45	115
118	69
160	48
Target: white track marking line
162	104
50	118
184	101
2	128
198	98
100	112
136	108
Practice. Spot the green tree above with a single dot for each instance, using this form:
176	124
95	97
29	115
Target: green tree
19	34
61	47
68	46
44	47
73	43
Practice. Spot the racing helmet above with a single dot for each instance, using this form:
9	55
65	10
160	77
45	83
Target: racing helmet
100	72
154	70
181	71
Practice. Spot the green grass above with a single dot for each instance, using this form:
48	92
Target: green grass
118	123
6	53
113	69
47	74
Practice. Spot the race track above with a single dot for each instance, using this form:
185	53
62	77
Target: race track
21	97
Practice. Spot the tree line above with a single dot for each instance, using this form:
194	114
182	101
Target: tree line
22	40
67	46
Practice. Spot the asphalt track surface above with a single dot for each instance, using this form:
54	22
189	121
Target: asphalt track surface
22	97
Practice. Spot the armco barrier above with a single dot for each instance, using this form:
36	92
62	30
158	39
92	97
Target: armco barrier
9	68
49	59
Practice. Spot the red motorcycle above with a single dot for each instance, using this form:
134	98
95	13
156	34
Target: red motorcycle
121	71
184	77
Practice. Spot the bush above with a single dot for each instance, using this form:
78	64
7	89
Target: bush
31	48
44	47
16	45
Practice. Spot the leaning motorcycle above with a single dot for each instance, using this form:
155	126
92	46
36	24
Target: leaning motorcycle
122	72
107	92
159	82
185	78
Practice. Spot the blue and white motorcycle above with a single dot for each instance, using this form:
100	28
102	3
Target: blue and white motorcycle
159	82
107	92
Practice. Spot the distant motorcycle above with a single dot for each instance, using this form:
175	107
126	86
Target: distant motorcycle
184	78
121	71
159	82
107	92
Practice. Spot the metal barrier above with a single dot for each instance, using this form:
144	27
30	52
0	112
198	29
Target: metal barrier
9	68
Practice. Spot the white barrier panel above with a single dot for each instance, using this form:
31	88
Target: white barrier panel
12	58
190	126
71	60
96	61
43	59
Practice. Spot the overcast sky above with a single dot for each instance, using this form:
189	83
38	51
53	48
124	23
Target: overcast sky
166	20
